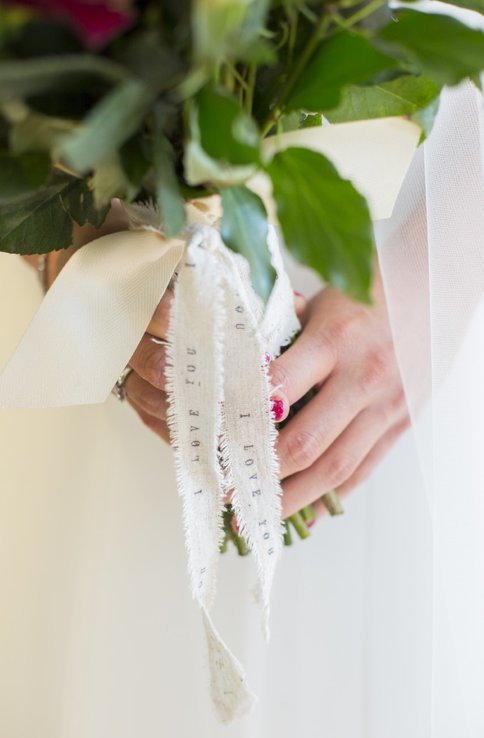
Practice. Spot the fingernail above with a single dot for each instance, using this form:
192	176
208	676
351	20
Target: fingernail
277	409
299	294
267	358
310	523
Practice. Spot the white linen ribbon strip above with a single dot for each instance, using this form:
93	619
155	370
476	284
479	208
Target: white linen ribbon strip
221	426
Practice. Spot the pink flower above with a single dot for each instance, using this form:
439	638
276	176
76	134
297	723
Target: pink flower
96	21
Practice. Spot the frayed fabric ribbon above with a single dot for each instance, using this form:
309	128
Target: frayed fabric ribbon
221	425
223	435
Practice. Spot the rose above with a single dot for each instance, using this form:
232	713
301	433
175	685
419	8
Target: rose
96	21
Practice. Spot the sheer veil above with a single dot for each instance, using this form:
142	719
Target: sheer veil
432	259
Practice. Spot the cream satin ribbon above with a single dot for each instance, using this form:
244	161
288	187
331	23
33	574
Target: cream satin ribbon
90	321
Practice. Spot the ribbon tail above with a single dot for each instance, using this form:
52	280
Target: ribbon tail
230	692
194	373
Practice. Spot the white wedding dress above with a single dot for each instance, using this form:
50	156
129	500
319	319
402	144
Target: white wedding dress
376	619
99	636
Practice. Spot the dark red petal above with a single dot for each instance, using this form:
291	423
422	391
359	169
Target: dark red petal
96	21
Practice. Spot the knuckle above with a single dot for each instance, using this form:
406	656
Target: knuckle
154	368
397	406
149	421
303	448
326	341
280	376
402	426
376	371
340	467
152	401
341	329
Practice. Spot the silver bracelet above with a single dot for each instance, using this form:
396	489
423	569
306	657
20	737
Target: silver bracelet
42	263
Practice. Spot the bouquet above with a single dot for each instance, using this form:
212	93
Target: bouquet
169	101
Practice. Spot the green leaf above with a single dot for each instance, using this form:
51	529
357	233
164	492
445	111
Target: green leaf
23	173
312	121
135	160
39	223
107	126
109	180
78	200
244	230
168	196
148	57
38	132
440	46
225	28
35	76
425	118
342	60
227	133
224	140
401	96
324	219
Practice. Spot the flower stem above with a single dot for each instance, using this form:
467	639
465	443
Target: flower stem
300	526
345	23
332	503
320	28
287	534
308	514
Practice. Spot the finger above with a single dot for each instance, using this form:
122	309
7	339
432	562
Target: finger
300	304
339	463
314	428
306	363
158	325
279	406
379	450
148	398
371	460
154	424
149	361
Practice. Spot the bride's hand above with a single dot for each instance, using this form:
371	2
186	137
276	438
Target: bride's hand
345	350
145	386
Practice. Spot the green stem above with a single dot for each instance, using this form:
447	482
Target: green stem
237	76
319	30
287	534
332	503
240	545
249	95
300	526
346	23
308	514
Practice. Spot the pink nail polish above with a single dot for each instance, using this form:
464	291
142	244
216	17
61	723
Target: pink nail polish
277	409
299	294
267	358
310	523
